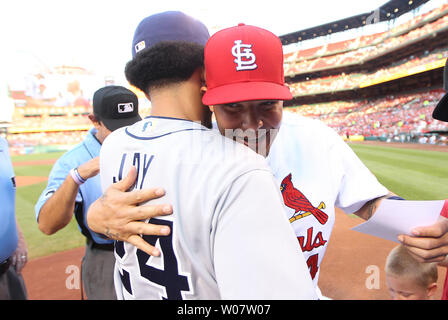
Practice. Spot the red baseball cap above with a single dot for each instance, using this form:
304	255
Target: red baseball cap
244	63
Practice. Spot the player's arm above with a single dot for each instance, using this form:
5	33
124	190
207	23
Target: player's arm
256	253
369	208
57	211
426	243
117	214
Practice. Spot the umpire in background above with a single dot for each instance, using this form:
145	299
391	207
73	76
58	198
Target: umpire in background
13	250
74	184
441	113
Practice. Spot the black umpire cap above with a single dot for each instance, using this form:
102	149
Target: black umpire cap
115	107
441	110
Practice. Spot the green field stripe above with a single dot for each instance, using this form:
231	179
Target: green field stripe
431	163
410	184
37	156
35	170
38	243
413	174
422	153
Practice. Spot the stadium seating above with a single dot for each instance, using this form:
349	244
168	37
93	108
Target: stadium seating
405	117
400	117
388	118
357	50
355	79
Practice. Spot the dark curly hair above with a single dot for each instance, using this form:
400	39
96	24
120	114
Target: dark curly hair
165	63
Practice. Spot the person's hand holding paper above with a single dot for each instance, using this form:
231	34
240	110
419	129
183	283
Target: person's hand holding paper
429	243
422	226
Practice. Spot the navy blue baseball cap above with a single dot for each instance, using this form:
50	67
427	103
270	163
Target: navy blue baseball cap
168	26
441	110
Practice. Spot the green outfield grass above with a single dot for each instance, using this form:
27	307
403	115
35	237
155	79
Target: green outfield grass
37	156
412	174
38	243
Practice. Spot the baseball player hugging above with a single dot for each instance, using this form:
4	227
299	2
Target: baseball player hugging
316	172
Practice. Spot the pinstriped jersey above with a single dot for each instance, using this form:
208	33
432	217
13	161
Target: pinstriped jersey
229	236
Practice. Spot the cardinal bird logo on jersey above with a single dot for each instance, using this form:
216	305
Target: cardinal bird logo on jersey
295	199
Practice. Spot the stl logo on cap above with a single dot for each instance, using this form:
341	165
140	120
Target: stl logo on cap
245	58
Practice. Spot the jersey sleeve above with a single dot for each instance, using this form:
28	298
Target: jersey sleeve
57	176
357	184
256	254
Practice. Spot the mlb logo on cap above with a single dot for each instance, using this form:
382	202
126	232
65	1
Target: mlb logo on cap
244	63
140	46
125	107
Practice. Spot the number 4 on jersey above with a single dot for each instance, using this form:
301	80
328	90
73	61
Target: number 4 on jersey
169	277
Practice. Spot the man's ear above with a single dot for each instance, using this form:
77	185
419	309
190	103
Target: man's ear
93	118
95	121
211	108
203	81
431	289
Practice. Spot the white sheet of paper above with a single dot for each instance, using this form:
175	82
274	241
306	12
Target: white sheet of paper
395	217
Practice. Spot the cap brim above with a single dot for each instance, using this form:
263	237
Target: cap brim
246	91
441	110
114	124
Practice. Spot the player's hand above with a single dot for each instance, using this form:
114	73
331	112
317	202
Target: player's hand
428	244
90	168
117	215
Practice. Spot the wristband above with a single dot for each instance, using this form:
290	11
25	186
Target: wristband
444	212
395	198
76	176
75	170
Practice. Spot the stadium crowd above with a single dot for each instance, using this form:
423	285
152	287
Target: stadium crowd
22	143
354	80
404	118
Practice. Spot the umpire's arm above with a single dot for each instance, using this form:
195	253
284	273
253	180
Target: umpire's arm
57	211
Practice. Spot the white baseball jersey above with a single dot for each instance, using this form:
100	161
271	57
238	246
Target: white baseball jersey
317	171
229	235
